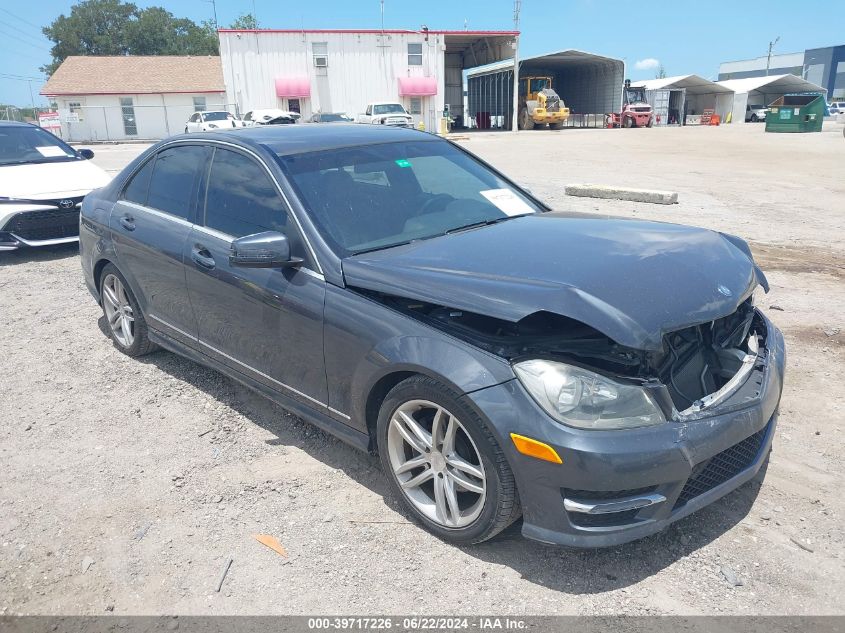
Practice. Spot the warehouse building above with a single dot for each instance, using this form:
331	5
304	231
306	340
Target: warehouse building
761	91
133	97
824	67
590	85
310	71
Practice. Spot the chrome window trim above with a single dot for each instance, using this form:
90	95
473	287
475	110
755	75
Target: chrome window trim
161	214
269	173
249	367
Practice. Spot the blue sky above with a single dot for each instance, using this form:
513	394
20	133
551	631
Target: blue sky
687	37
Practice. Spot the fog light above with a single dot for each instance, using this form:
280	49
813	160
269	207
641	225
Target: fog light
535	448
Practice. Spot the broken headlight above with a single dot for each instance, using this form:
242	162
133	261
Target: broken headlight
586	400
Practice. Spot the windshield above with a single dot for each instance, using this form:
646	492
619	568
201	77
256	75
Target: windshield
377	196
388	108
216	116
636	96
30	144
333	117
539	84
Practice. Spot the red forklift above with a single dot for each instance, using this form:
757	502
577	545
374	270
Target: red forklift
636	112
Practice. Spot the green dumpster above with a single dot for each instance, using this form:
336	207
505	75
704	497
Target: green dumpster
800	112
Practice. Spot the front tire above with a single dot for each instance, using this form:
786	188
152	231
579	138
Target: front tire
444	464
629	122
525	120
754	118
126	325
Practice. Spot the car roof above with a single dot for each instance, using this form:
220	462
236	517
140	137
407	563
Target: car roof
285	140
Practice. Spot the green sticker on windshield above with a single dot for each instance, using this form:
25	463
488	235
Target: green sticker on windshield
403	163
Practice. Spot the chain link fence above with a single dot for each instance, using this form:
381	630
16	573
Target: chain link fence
126	121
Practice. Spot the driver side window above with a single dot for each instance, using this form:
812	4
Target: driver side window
241	199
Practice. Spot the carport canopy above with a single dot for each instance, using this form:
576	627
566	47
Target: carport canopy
589	84
699	93
762	91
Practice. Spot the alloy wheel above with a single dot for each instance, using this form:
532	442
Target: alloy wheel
436	463
118	311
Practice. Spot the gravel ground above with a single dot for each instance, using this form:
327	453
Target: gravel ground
127	484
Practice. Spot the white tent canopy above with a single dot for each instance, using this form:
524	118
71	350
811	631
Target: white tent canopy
700	93
761	91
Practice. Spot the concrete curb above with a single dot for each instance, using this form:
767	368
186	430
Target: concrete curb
619	193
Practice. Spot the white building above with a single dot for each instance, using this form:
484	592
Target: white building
311	71
133	97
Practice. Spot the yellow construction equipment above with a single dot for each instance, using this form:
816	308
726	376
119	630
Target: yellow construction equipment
539	104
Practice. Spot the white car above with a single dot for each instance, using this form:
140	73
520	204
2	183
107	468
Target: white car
754	113
42	183
270	116
386	113
836	108
213	120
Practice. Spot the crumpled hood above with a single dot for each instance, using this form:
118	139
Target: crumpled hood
51	180
633	281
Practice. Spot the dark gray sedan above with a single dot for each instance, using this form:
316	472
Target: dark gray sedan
601	378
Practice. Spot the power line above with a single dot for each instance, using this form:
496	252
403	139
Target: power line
23	41
17	17
18	33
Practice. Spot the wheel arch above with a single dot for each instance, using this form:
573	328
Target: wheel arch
98	272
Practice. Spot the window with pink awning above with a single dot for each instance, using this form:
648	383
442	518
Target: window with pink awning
293	87
417	86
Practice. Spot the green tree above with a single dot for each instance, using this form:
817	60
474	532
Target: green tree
245	21
661	72
94	27
113	27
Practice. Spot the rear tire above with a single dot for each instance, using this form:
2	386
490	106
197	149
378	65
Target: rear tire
650	123
444	464
125	322
754	118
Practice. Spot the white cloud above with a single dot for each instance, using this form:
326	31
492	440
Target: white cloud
648	63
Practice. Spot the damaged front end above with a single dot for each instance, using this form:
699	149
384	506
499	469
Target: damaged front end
696	369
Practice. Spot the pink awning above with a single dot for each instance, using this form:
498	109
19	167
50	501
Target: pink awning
293	87
417	86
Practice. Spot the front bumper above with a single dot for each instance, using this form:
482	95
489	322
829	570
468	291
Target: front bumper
644	479
35	227
541	115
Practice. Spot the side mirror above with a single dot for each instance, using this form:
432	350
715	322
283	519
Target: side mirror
263	250
87	154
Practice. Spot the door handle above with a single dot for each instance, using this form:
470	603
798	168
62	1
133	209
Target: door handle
201	255
128	222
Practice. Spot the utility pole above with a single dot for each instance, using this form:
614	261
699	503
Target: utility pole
32	100
769	58
213	4
517	7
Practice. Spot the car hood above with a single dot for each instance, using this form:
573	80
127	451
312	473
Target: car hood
631	280
51	180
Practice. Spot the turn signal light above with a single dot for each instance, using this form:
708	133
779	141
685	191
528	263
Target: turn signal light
535	448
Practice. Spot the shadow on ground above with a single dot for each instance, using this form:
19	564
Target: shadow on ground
43	254
561	569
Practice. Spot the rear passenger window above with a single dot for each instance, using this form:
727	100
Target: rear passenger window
241	199
173	177
136	190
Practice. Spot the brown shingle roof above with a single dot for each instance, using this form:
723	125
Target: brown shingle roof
90	75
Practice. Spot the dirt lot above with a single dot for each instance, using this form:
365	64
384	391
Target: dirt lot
126	484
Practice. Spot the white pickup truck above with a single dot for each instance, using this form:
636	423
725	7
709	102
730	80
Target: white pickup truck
386	114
